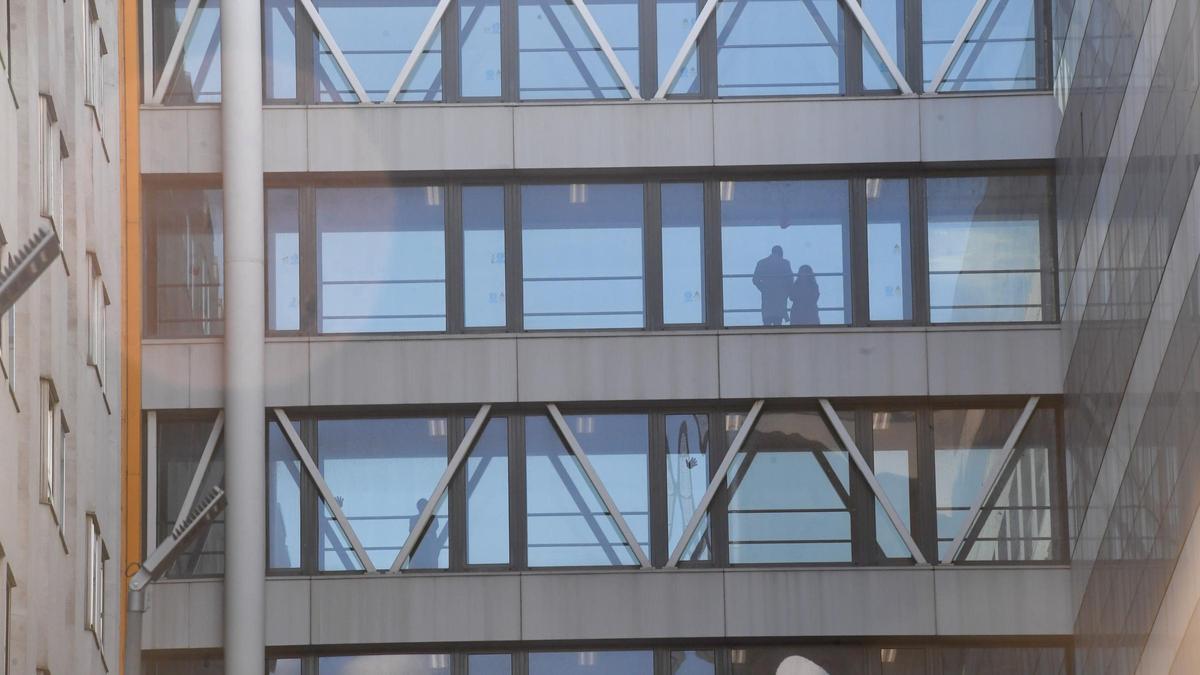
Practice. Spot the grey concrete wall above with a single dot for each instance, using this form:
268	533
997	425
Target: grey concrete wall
635	135
624	605
46	554
1020	360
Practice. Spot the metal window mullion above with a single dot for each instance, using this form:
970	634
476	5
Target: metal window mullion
173	57
151	471
147	50
202	467
869	475
681	56
989	484
598	35
597	484
715	483
956	46
869	31
336	51
418	50
418	530
323	488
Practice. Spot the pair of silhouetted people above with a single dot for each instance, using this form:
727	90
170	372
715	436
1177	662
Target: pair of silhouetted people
774	279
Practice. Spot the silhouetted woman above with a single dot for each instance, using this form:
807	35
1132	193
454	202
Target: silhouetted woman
804	296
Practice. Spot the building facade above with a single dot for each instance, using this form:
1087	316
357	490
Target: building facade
636	336
60	365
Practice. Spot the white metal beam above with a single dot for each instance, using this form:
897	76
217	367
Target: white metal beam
677	64
956	46
460	454
989	483
202	467
715	483
418	50
605	47
869	30
865	469
336	51
173	57
573	445
330	501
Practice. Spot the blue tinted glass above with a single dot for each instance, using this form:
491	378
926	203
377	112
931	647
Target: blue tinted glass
483	256
889	247
377	37
568	524
591	663
790	493
815	659
1000	52
283	258
701	662
779	47
985	253
383	471
582	255
688	453
479	28
197	78
894	435
279	49
487	496
887	17
379	664
561	59
283	501
683	252
785	252
675	20
489	664
618	447
188	269
382	255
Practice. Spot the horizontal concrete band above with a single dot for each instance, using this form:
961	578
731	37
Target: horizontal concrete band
511	368
627	605
467	137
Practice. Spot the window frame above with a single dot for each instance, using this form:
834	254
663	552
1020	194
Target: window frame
95	581
8	325
98	303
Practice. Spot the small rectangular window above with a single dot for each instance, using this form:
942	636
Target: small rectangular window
97	554
93	49
97	327
6	603
51	175
51	447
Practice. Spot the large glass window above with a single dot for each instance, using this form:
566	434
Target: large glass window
197	75
283	501
480	54
560	57
483	256
179	447
985	248
582	255
618	447
675	19
279	50
377	37
780	47
889	250
186	267
785	252
689	449
887	17
382	257
487	496
683	253
592	663
1001	52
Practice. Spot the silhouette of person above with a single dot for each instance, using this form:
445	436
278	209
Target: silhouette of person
804	298
773	278
425	555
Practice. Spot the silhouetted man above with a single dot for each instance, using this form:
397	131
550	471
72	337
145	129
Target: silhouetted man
773	278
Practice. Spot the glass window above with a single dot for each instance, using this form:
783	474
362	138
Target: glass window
377	37
283	501
279	49
675	21
683	253
561	59
688	449
184	275
698	662
591	663
385	664
382	256
1001	660
779	48
830	660
1000	52
487	496
985	252
283	258
790	493
489	664
483	256
894	435
785	252
618	446
887	17
284	666
197	77
568	524
901	661
479	31
582	255
889	250
180	445
382	471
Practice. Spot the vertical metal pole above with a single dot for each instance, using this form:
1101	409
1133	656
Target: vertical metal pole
245	297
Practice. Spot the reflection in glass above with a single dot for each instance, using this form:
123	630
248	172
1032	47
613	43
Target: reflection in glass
675	19
279	49
894	435
1003	660
382	471
683	253
985	254
180	446
814	660
283	258
591	663
483	256
197	77
785	252
1000	52
568	524
687	446
790	493
377	37
489	664
779	48
560	58
283	501
889	247
699	662
382	254
479	31
887	17
618	446
582	255
185	277
284	666
902	661
487	496
385	664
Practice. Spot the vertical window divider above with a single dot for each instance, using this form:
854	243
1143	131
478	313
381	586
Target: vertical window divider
862	519
518	531
718	510
456	506
1049	256
652	267
306	72
706	55
310	536
451	54
310	263
657	475
919	229
515	291
852	51
509	46
648	47
859	291
924	491
714	311
455	317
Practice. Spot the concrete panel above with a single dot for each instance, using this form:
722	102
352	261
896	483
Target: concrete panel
204	139
165	625
206	602
762	603
399	371
613	135
287	373
409	138
829	131
982	601
165	376
1018	361
631	367
288	604
206	374
622	605
284	129
164	140
823	363
988	128
370	610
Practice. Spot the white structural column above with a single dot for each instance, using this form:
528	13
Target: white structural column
245	330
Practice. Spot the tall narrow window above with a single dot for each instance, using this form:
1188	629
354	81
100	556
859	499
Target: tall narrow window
52	153
7	584
6	40
185	274
283	258
689	452
487	496
196	77
889	250
683	253
93	49
483	256
180	447
52	438
8	325
479	28
97	326
97	554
